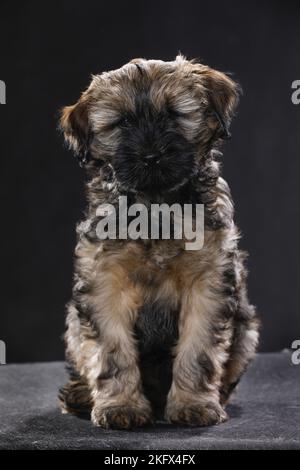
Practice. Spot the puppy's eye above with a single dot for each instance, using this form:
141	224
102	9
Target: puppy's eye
124	121
117	123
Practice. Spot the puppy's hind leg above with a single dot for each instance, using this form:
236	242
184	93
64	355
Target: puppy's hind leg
243	348
245	328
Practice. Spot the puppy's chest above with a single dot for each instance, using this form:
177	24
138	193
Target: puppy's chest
155	263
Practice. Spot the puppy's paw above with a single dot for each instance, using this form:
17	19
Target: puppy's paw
75	398
121	417
196	414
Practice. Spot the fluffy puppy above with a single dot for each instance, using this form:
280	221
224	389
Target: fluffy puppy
153	327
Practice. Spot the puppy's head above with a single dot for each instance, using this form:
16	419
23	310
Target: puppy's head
152	121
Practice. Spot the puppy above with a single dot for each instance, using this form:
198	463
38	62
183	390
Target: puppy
152	327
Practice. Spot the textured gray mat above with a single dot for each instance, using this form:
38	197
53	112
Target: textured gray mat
265	414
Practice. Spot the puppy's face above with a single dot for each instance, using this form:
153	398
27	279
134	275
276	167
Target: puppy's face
152	121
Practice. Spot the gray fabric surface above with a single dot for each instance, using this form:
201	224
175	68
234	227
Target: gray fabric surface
264	414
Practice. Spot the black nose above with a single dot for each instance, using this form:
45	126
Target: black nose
151	158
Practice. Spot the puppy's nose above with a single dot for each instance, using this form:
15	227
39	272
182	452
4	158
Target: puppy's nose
151	158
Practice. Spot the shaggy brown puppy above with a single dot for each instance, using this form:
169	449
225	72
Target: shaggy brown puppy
152	325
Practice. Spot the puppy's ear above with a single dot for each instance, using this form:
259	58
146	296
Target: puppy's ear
223	96
74	123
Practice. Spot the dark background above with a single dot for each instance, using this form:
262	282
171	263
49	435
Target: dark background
48	51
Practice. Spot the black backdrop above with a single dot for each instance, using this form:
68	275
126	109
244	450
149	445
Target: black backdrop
48	51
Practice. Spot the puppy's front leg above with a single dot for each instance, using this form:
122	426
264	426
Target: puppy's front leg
113	372
194	397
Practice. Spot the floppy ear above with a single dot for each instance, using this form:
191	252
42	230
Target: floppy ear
223	96
74	123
